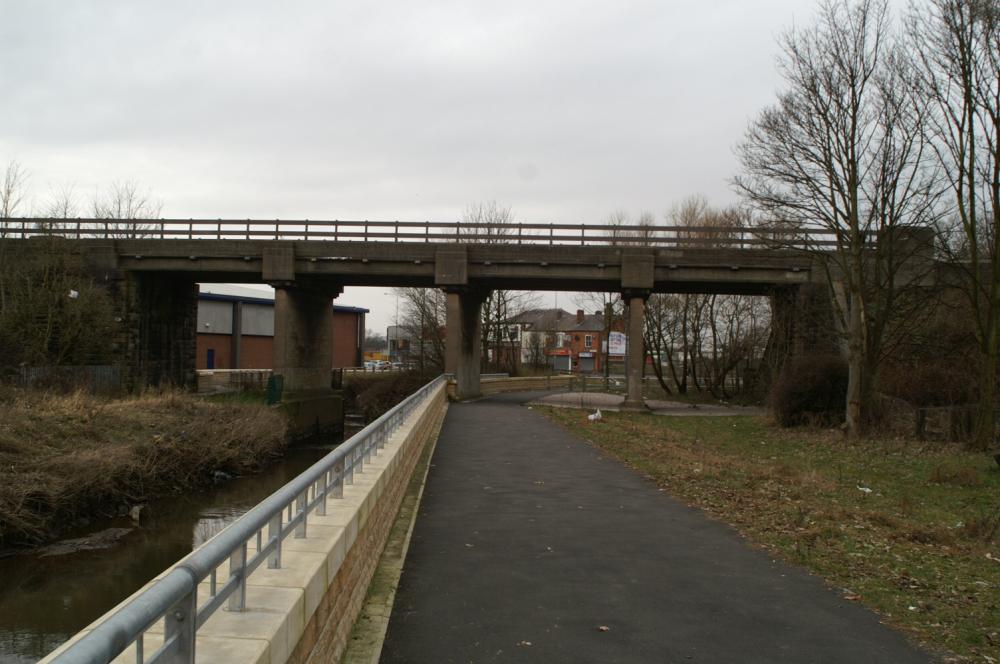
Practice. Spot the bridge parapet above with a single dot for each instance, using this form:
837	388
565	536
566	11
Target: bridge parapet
292	573
423	231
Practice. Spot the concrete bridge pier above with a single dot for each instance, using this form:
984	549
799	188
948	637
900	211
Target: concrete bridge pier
636	352
158	314
303	355
463	343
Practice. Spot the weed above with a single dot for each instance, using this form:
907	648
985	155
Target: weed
66	457
947	473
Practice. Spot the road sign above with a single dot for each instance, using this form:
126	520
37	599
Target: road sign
617	343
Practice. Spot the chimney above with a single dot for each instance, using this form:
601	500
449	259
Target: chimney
579	316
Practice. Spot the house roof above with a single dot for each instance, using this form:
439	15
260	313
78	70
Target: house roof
559	320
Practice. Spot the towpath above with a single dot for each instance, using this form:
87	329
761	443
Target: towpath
533	546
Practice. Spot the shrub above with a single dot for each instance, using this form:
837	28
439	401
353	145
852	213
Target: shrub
810	390
373	394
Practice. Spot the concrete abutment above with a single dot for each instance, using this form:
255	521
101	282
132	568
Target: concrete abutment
303	355
464	342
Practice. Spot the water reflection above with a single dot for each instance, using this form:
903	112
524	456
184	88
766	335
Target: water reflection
46	599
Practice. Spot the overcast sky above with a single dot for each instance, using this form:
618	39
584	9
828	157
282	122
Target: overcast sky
565	111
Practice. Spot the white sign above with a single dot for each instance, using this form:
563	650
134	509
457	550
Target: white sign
616	343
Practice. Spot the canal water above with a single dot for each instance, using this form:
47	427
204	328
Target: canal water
45	599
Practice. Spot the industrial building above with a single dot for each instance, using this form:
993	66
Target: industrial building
236	330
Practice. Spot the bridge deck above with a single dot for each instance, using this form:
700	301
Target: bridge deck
529	540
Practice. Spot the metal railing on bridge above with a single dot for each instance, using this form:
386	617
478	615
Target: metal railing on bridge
174	597
781	236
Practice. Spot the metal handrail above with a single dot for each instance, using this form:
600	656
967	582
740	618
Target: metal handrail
285	512
420	231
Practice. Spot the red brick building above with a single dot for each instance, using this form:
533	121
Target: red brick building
237	332
562	340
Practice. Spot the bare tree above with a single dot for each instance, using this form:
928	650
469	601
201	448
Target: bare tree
127	205
487	222
422	318
957	43
491	223
843	150
13	189
62	203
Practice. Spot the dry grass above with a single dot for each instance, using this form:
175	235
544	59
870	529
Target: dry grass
908	528
69	457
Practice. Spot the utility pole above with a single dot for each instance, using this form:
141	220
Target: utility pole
607	341
423	332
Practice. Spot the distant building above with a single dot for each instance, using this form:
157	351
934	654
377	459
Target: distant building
399	342
236	330
559	339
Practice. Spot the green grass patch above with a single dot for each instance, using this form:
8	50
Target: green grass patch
910	529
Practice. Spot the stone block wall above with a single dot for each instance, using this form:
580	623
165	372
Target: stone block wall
324	638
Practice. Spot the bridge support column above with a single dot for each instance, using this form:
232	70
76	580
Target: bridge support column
159	316
463	343
636	352
303	357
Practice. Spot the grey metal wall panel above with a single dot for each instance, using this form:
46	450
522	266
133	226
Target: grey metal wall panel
215	317
258	319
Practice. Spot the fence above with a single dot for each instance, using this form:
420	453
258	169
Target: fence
244	546
421	231
102	379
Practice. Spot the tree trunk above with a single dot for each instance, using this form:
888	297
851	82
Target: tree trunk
855	366
984	425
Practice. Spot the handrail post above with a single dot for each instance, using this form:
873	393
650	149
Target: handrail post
238	568
396	239
338	479
181	622
583	233
274	533
307	229
301	503
427	231
190	228
248	229
552	230
321	507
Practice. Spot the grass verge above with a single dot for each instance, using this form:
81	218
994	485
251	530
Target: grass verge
65	459
909	529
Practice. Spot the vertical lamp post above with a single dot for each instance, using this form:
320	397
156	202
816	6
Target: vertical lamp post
394	349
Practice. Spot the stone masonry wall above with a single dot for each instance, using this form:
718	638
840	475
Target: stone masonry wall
325	636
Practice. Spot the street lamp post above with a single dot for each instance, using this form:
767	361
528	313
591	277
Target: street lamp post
394	350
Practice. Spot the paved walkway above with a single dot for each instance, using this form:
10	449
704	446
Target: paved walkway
532	546
613	402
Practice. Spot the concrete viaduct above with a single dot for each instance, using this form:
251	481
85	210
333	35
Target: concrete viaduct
155	266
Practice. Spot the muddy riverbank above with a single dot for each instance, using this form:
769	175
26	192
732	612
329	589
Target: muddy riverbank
48	595
67	461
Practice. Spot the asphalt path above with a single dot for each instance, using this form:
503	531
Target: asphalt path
533	546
